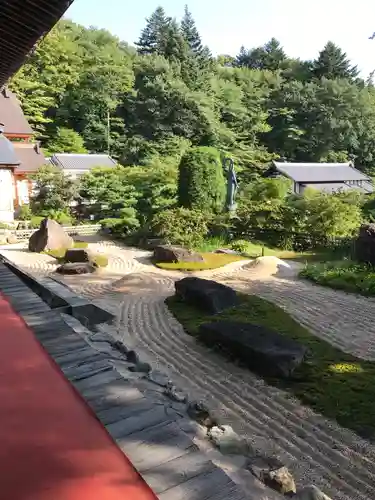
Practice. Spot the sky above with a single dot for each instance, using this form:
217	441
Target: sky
302	26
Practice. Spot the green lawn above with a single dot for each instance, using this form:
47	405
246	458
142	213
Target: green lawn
338	385
255	249
211	261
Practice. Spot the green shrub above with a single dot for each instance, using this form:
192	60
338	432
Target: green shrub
35	221
211	244
181	226
4	226
201	182
24	213
63	218
241	246
113	224
344	275
121	226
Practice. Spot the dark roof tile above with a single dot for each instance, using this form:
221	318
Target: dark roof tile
30	159
320	172
22	24
82	162
7	153
11	115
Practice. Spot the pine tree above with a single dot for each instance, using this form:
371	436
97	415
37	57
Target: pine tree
268	57
153	35
190	32
333	63
242	59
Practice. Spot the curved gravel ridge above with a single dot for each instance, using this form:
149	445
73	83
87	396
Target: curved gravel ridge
345	320
317	450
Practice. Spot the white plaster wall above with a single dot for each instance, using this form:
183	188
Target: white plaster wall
6	195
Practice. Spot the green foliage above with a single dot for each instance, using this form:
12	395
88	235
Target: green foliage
345	275
156	187
333	383
201	183
24	213
332	63
300	222
181	226
148	108
111	223
54	190
110	190
35	221
66	140
269	57
241	246
121	226
153	36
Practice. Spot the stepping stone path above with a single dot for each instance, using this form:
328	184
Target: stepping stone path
317	451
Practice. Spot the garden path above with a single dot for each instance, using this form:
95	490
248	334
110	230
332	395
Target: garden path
317	450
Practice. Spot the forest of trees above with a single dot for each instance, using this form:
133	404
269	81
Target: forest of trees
166	93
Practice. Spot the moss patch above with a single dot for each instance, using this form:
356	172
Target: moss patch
59	254
211	261
344	275
100	260
81	244
337	385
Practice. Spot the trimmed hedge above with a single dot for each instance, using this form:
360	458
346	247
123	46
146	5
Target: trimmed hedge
201	183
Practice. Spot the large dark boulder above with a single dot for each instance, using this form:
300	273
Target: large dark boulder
50	236
261	349
167	253
77	268
365	244
77	255
210	296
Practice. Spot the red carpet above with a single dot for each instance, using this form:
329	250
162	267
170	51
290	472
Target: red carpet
51	445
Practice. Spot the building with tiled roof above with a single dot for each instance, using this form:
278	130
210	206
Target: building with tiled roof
76	165
326	177
26	156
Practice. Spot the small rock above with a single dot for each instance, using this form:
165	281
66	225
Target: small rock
76	268
12	239
200	413
77	255
227	251
173	393
273	473
158	378
50	236
121	347
132	357
281	480
228	441
311	493
140	367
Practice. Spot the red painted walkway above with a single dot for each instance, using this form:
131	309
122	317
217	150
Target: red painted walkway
51	445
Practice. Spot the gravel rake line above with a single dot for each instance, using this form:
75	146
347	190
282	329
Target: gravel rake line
149	330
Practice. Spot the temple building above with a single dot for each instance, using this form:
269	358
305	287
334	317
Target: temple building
20	156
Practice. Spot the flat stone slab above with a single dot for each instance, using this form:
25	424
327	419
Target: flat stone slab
207	295
261	349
